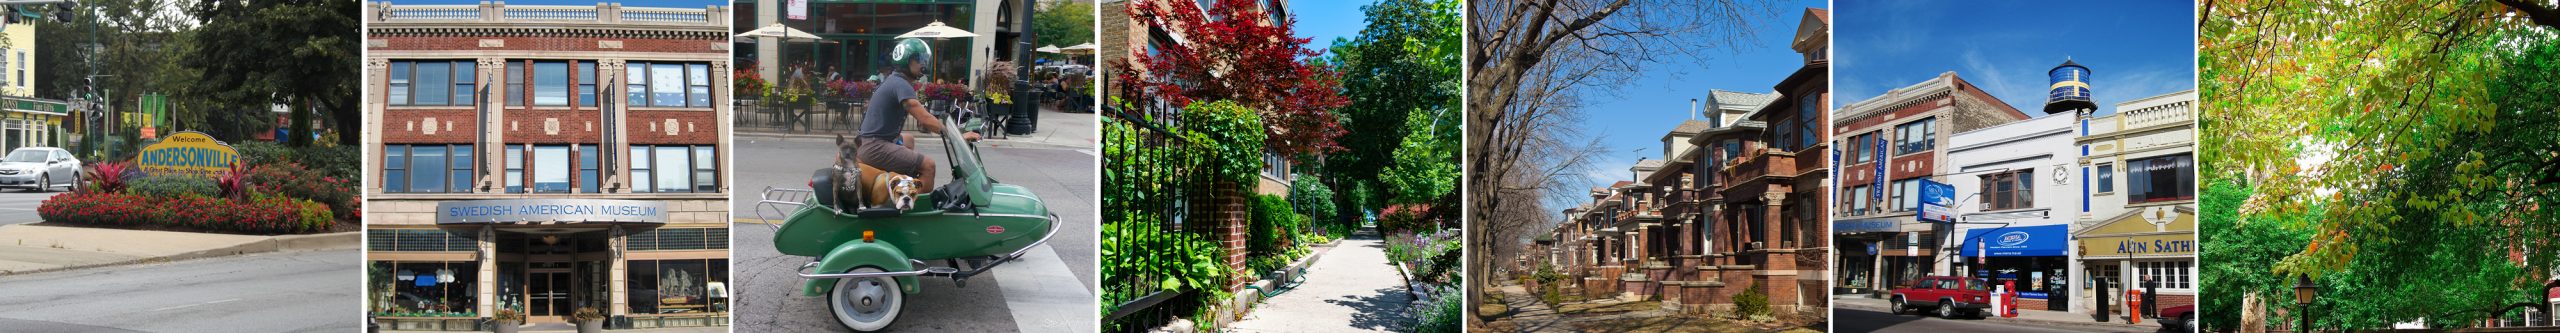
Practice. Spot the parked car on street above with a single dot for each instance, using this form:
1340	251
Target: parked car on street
39	169
1949	297
2181	319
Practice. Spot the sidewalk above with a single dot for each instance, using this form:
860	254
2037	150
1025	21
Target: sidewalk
2040	317
29	248
1350	289
1056	130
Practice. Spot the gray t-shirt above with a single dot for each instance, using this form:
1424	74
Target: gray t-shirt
886	113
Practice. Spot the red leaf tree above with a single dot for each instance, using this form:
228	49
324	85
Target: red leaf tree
1238	56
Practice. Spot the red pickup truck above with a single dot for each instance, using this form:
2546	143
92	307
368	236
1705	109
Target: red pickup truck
1949	296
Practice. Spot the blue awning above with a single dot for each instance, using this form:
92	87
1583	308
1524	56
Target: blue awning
2028	241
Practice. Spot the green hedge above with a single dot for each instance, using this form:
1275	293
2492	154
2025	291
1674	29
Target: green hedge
169	186
340	162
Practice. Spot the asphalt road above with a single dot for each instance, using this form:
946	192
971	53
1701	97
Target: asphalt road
19	206
1049	290
312	291
1845	319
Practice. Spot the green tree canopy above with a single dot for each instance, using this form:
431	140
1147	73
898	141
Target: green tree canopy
255	54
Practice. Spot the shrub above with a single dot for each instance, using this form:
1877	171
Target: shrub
293	180
1442	311
1271	226
1313	199
1553	296
340	161
1137	251
108	176
587	314
235	183
1751	302
165	186
1229	139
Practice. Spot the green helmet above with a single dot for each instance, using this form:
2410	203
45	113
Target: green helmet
910	50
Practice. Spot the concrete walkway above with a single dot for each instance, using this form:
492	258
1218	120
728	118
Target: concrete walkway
1349	289
28	248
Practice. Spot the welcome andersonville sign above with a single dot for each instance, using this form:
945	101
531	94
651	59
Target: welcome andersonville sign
189	153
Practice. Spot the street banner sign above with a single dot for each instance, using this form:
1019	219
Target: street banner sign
1876	194
1937	201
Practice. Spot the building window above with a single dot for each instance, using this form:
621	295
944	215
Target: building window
697	80
515	93
427	288
515	169
1906	195
551	169
2106	178
1861	148
673	169
678	286
2164	178
409	240
2174	275
1858	199
674	85
2008	190
706	169
426	168
1915	136
438	82
587	174
587	83
679	239
1809	120
551	83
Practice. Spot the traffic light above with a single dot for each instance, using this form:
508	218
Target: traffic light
62	10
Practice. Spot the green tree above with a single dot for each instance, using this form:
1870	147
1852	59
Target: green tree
1405	42
1426	163
1063	23
301	54
2409	144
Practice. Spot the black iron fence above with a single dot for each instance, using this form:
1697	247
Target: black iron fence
1148	178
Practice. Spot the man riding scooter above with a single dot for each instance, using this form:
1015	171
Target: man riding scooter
882	142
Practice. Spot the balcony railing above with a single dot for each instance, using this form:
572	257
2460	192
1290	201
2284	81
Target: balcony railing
1761	163
500	12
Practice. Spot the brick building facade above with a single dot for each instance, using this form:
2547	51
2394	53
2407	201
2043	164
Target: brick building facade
547	159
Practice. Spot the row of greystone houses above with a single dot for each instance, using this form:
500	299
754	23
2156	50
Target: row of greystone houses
1734	203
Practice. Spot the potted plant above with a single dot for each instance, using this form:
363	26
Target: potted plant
589	320
505	321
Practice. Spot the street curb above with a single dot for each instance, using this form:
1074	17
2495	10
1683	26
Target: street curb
830	137
2108	326
280	243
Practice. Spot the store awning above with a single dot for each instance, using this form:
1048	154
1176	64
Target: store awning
2028	241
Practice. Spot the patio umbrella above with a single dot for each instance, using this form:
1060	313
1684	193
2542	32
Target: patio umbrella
937	30
1048	49
777	30
1086	48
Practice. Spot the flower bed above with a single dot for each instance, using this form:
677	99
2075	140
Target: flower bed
239	202
261	214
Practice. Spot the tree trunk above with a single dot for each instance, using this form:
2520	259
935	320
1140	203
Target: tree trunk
301	133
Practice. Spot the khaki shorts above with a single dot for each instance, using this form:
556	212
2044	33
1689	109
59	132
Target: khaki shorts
891	157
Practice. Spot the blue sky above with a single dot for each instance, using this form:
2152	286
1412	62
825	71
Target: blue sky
1325	20
2133	49
1630	121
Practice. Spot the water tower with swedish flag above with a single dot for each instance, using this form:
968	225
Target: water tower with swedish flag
2070	89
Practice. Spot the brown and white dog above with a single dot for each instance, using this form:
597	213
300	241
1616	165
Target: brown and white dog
880	186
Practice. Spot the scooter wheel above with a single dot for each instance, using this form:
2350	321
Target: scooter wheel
866	304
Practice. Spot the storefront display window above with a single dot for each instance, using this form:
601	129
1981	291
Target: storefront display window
679	286
426	289
2177	274
854	27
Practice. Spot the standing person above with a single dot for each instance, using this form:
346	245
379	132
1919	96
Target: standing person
884	143
2151	297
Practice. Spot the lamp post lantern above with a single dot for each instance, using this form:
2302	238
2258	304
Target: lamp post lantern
2303	292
